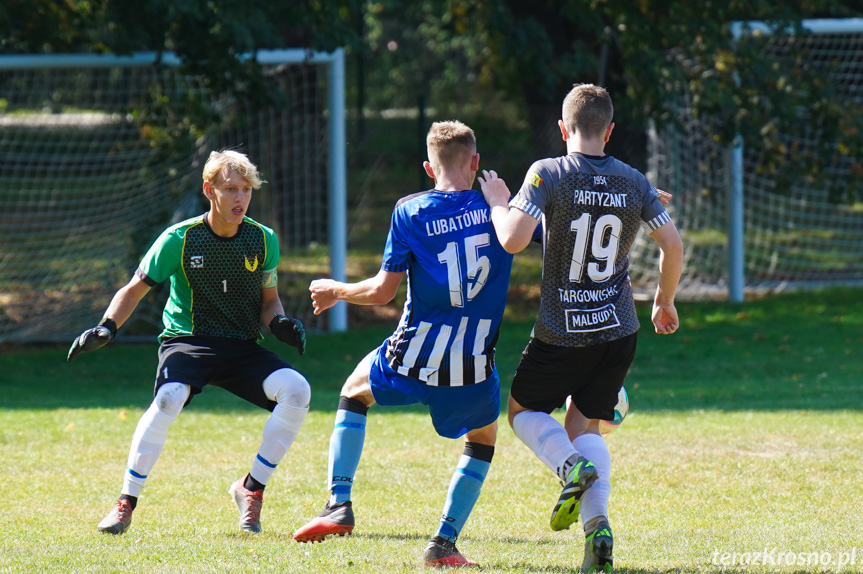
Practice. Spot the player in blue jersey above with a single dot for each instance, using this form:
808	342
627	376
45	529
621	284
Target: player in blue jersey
590	206
442	352
222	269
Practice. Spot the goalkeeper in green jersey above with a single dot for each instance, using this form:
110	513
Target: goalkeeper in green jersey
222	269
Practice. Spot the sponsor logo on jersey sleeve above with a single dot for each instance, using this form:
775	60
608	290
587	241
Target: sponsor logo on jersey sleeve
535	180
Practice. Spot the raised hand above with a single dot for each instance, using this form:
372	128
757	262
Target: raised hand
494	189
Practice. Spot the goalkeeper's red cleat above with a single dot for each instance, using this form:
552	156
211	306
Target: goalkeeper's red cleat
119	519
337	519
249	503
443	554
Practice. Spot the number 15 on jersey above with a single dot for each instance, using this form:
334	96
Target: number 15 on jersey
477	268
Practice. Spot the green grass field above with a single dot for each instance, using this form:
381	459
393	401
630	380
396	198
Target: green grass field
745	436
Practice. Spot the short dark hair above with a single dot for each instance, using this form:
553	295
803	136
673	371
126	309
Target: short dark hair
587	109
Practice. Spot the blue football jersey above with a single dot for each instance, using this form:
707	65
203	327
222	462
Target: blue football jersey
458	275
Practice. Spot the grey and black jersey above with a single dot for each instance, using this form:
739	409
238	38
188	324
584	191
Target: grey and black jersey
591	209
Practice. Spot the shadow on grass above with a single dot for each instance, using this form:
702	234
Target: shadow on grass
468	539
798	351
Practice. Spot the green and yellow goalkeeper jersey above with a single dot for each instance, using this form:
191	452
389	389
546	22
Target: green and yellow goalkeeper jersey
216	281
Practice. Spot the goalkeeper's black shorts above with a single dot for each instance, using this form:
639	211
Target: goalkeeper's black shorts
237	366
593	375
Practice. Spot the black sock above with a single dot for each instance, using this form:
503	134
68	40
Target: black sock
133	500
252	484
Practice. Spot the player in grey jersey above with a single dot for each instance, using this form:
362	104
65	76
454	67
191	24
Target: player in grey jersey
591	206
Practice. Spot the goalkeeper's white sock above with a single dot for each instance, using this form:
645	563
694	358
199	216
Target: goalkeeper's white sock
150	435
594	502
547	439
291	392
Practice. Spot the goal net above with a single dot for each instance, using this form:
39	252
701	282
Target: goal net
96	159
794	237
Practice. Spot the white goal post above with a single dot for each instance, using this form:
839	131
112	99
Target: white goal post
87	179
741	234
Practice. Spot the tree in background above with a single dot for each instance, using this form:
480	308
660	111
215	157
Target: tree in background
207	36
524	56
510	58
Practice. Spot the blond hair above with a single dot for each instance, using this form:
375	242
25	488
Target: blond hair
587	109
449	141
223	162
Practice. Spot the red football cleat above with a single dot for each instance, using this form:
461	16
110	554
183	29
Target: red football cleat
249	504
334	520
119	519
443	553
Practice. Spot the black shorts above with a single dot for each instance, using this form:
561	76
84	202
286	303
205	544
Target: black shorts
239	367
592	376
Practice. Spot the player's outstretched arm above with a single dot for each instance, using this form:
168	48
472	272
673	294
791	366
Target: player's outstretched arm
124	302
514	227
377	290
93	338
664	315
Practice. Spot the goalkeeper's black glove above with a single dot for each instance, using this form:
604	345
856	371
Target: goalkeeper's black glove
93	339
289	330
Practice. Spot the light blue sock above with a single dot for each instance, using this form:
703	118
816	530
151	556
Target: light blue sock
346	448
464	489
